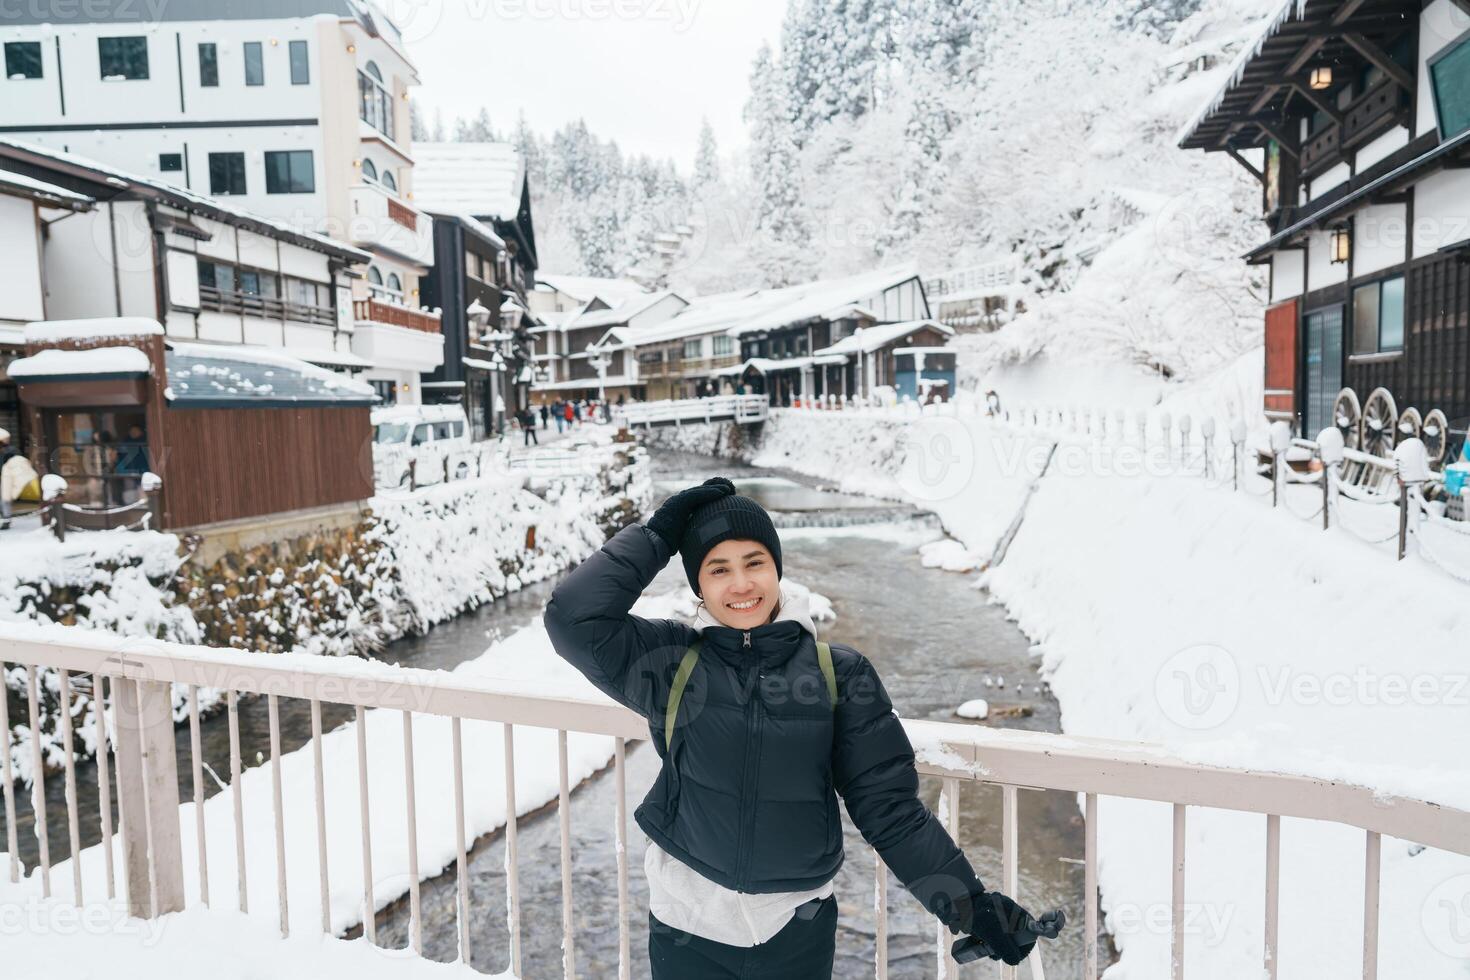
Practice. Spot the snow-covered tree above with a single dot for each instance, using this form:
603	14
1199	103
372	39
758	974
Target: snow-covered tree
783	234
707	157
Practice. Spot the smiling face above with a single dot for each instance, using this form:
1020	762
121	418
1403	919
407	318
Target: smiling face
739	584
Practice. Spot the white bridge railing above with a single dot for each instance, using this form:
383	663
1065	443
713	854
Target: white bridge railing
718	408
138	675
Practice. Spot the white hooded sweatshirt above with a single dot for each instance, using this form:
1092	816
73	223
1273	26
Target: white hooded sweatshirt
681	897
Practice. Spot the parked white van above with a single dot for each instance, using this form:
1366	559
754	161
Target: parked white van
427	433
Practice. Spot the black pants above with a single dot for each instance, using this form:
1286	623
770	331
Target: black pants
802	950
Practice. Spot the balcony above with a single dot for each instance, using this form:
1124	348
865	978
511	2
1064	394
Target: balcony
1365	118
383	222
265	307
394	336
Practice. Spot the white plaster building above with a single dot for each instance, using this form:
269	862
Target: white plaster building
295	110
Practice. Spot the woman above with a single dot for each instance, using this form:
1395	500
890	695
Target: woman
760	728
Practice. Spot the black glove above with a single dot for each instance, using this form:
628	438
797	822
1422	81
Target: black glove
669	521
996	920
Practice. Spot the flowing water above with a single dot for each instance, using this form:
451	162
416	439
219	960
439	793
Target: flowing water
934	641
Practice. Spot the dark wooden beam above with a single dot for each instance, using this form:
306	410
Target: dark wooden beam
1346	11
1381	60
1307	53
1235	155
1286	147
1402	197
1323	106
1262	100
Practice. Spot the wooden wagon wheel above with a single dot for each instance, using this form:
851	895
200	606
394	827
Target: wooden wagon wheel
1380	423
1436	435
1347	414
1411	424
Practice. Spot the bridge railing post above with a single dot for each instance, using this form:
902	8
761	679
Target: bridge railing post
148	797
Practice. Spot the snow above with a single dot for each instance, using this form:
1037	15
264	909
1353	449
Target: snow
9	178
95	328
979	708
949	555
100	942
276	359
478	179
64	363
867	339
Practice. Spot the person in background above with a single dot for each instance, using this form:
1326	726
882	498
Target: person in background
545	415
132	462
528	428
7	453
568	411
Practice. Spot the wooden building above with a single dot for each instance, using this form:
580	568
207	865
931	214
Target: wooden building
234	433
1354	115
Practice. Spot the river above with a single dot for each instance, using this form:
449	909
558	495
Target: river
934	641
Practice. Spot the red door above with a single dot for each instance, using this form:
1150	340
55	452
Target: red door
1281	361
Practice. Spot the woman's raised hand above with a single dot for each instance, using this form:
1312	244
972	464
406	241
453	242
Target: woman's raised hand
669	521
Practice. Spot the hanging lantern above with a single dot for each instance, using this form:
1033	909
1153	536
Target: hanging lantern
1342	245
1321	77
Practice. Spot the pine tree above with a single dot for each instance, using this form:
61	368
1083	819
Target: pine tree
418	131
707	159
438	135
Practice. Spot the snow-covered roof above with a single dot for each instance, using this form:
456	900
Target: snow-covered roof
470	222
202	375
868	339
1287	10
622	312
480	179
96	361
92	328
418	413
20	184
585	288
180	197
811	300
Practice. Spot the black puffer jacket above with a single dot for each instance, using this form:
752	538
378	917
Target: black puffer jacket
747	793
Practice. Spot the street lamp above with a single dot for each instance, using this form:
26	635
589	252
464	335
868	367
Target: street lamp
479	315
511	313
600	360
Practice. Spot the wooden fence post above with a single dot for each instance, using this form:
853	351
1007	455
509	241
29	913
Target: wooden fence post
58	515
1403	519
148	797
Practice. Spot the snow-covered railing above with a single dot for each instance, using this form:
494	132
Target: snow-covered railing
138	674
718	408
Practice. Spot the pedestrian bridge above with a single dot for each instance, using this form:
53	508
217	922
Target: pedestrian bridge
742	409
417	807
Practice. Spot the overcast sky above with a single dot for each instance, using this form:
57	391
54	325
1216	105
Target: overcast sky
642	72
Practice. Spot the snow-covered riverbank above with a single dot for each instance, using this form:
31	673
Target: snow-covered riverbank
1171	610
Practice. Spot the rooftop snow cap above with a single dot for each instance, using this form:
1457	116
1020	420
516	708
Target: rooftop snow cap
732	518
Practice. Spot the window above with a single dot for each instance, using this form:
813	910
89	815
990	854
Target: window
472	265
226	173
693	349
1449	79
22	60
170	162
1378	317
394	286
303	293
122	58
208	65
724	345
254	64
289	172
300	68
217	275
369	170
374	104
389	182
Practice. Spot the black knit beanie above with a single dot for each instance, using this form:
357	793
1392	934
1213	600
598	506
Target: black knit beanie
732	518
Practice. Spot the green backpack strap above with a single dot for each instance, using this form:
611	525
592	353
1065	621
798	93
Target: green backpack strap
691	657
824	659
676	693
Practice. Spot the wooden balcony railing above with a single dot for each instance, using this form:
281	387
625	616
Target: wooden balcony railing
264	307
402	214
380	311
